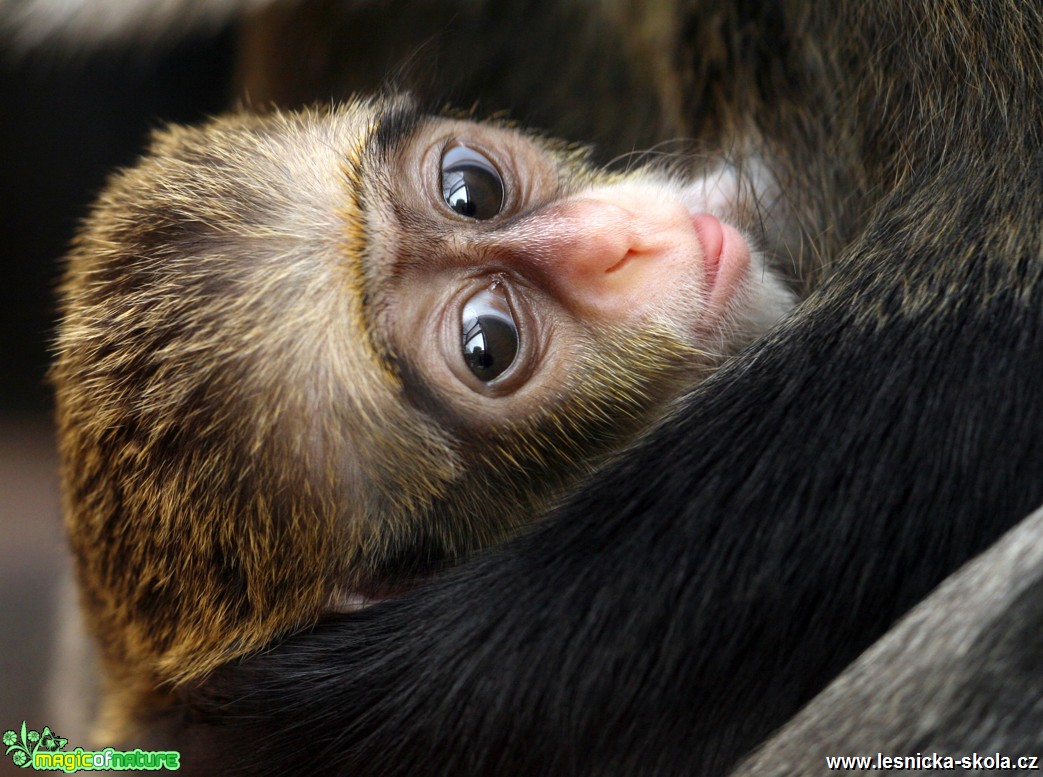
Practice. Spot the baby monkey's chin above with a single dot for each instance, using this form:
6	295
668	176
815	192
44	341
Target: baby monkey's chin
723	295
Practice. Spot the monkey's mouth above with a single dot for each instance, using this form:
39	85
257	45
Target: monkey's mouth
711	238
726	262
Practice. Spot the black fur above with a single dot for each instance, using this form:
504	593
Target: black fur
958	678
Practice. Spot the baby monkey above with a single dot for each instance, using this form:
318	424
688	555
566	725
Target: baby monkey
306	358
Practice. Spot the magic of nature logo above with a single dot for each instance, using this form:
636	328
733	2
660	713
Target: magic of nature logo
45	751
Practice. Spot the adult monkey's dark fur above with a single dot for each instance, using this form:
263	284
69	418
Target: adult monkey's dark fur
958	677
698	593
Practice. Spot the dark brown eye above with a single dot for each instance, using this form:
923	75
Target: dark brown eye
471	186
489	335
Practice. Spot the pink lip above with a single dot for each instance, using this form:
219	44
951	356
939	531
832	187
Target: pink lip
711	237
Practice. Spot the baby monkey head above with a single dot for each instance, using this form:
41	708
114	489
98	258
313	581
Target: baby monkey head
308	355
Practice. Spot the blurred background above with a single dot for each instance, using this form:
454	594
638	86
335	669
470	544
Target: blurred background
65	122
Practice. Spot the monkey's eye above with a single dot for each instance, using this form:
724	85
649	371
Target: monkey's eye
488	333
470	183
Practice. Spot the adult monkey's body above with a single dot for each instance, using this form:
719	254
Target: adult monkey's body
829	479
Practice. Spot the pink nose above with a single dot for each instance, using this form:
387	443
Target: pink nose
608	258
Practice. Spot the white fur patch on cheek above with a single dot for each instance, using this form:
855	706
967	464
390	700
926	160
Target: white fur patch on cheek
716	193
764	301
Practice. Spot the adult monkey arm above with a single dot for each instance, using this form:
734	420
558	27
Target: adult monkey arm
673	614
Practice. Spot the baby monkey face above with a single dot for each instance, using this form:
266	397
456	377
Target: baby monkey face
388	337
500	266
